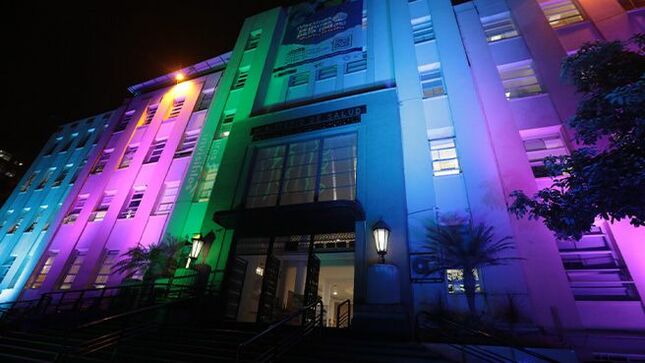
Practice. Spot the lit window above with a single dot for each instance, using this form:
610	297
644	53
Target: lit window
205	99
154	153
519	80
253	40
128	155
150	114
109	259
168	197
63	174
357	65
444	157
326	72
133	204
47	266
76	209
177	104
537	148
187	144
125	120
99	212
240	78
77	261
45	179
299	79
498	27
455	279
422	29
432	81
102	161
561	12
632	4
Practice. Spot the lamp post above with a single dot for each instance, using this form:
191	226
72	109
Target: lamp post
195	248
381	233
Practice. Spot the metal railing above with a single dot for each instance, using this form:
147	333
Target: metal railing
344	314
280	336
452	333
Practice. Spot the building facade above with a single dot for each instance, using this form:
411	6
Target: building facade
332	116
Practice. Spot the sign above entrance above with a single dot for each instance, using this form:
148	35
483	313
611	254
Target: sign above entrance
319	121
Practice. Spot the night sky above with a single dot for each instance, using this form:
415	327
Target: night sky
67	60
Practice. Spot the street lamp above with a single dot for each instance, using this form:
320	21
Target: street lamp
195	248
381	233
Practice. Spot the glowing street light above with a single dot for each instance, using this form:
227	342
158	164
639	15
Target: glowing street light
381	233
179	77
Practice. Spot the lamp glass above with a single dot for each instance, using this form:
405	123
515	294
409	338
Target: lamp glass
381	237
196	247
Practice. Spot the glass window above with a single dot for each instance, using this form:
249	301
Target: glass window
168	197
109	259
47	266
327	72
150	114
187	144
228	116
537	148
177	105
253	40
29	181
206	183
102	161
76	262
69	143
18	222
154	153
356	66
36	219
205	99
422	29
299	79
444	157
76	209
88	134
432	81
240	78
125	120
561	12
455	279
498	27
133	204
63	174
632	4
519	80
5	266
99	212
128	155
46	177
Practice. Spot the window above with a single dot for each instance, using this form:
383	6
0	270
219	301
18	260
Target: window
632	4
36	219
109	259
206	183
29	182
519	80
422	30
187	144
46	177
53	145
498	27
125	120
47	266
299	79
356	66
78	171
303	172
228	116
128	155
177	104
150	114
253	40
103	159
561	12
133	204
455	279
77	260
63	174
76	209
326	72
81	144
240	78
5	266
537	148
99	212
168	197
69	143
431	81
21	218
154	153
444	157
205	99
6	217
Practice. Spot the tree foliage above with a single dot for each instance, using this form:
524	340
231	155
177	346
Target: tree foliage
155	261
606	177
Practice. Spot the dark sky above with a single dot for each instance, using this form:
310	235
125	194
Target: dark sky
64	60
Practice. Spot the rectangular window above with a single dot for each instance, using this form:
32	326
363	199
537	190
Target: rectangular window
36	219
99	212
240	78
561	12
519	80
76	209
422	29
177	104
299	79
133	203
150	114
125	120
432	81
63	174
187	144
632	4
537	148
444	157
302	172
102	161
228	116
69	143
326	72
5	266
47	266
168	197
498	27
205	99
356	66
206	183
455	279
29	182
53	145
128	155
16	225
109	259
154	153
253	40
45	179
77	172
88	134
77	260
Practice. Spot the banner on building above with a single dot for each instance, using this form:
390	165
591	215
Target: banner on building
319	29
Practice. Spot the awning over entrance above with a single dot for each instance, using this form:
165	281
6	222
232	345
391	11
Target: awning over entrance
319	217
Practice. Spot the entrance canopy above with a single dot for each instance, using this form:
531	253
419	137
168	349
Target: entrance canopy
320	217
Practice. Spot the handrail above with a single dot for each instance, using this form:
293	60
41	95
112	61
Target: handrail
488	336
347	302
302	311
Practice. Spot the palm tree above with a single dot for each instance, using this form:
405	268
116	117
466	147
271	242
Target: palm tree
154	261
467	248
